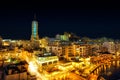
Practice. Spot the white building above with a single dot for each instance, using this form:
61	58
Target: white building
110	46
46	59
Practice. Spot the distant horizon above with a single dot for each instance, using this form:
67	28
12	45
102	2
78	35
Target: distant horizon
52	36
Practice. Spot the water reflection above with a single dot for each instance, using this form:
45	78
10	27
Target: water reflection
111	71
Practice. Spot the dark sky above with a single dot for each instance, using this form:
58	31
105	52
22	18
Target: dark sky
82	18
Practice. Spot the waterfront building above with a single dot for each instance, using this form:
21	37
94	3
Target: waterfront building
74	51
110	46
67	49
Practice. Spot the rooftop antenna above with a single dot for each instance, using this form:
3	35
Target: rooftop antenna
34	16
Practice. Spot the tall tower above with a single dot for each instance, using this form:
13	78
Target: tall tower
34	35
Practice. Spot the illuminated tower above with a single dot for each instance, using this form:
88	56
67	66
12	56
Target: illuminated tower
34	35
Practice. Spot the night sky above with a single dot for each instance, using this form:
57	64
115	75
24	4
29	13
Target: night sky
89	19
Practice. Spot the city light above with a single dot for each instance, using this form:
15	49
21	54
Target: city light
65	57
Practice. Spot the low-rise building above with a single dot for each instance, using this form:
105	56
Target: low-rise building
15	71
46	59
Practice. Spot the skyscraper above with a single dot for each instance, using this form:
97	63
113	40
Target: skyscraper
34	35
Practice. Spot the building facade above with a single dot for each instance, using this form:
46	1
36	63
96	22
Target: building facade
34	35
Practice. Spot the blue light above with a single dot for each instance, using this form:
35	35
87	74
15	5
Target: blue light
34	29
